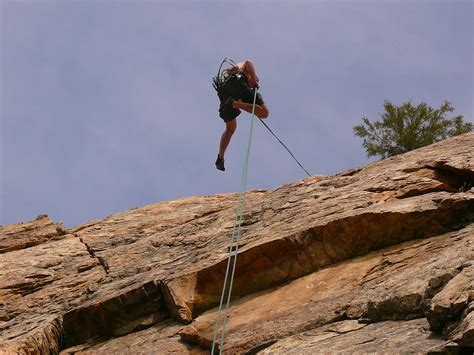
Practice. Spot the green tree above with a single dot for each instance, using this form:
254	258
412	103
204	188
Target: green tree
407	127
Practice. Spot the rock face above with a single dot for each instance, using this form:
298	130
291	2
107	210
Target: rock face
379	258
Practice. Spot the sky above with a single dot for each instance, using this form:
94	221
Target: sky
108	105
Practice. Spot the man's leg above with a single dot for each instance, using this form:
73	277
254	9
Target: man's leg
261	111
230	128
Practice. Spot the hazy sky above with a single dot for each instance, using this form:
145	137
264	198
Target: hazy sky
108	105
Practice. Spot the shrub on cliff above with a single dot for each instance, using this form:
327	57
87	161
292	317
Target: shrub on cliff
407	127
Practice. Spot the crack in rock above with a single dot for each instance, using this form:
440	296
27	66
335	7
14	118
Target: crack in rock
127	312
91	252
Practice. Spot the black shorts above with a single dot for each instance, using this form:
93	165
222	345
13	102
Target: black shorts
237	88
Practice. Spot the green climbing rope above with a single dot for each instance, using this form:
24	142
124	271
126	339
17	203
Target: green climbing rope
234	249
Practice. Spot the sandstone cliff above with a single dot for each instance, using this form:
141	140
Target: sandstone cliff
378	258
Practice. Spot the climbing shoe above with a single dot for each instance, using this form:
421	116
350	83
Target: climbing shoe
226	104
220	163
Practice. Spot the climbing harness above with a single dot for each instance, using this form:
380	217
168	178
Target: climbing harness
234	246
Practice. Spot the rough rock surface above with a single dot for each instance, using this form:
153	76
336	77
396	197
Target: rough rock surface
375	258
395	283
25	235
162	337
352	337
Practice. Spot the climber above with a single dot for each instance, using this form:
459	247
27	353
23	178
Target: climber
236	93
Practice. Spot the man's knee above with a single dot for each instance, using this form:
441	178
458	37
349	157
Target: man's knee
230	129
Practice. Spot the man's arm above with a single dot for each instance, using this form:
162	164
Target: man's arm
248	68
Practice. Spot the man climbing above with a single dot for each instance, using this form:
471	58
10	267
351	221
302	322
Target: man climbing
237	93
